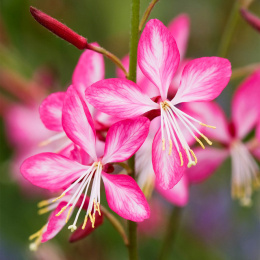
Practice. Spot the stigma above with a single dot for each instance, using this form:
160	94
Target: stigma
37	237
172	133
81	191
245	173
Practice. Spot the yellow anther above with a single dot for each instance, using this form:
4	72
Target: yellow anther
43	211
194	156
181	158
62	195
37	234
92	219
201	144
61	211
163	144
43	203
206	139
210	126
97	208
85	222
68	215
170	147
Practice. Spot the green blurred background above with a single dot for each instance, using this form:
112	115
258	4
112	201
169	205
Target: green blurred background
213	226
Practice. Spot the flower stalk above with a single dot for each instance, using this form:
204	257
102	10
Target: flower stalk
134	38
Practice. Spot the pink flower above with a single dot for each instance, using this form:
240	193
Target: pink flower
244	117
54	171
202	79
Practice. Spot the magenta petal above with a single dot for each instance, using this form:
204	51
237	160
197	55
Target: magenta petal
77	122
51	171
167	168
119	97
246	105
124	138
82	233
158	55
51	110
125	197
180	30
90	69
179	194
208	161
55	223
203	79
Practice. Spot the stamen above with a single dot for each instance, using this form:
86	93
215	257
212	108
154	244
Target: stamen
209	126
38	235
194	156
61	196
85	222
92	219
163	144
52	139
198	140
170	147
62	210
181	158
206	139
43	203
68	215
43	211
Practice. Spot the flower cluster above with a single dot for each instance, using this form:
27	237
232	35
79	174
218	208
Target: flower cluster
99	124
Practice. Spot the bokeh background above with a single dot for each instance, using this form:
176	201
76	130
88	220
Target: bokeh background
213	227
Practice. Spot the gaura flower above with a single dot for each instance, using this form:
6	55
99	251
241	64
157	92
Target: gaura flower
202	79
56	223
231	134
54	171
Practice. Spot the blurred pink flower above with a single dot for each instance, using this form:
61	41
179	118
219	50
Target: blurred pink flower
54	171
158	57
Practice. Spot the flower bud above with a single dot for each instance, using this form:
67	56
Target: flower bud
252	19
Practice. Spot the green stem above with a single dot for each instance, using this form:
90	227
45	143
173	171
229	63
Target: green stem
244	71
134	37
170	235
229	30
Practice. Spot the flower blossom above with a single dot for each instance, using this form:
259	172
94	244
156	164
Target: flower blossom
54	171
202	79
231	135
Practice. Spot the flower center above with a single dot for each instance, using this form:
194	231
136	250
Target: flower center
244	173
172	133
94	172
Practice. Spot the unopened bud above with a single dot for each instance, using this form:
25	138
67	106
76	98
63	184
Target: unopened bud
252	19
59	29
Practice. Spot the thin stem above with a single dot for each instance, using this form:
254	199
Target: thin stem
244	71
134	37
109	55
170	235
229	30
146	14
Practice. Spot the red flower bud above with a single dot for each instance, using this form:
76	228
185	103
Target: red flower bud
59	29
252	19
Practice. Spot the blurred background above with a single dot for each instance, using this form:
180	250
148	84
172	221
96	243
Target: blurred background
36	62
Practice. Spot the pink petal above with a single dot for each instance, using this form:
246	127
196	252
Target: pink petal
77	122
167	168
203	79
124	138
246	105
208	161
256	152
179	194
119	97
125	197
212	114
82	233
158	55
55	223
180	30
51	171
90	69
51	110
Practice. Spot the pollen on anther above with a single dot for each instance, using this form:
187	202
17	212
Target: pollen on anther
209	126
181	158
170	147
194	156
68	215
59	213
206	139
201	144
163	144
62	195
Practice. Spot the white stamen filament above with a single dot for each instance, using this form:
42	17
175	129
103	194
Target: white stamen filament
244	173
53	138
169	113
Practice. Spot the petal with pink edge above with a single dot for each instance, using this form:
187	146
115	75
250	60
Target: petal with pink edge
180	30
125	197
120	98
179	194
124	138
208	161
246	105
203	79
51	171
167	168
55	223
51	110
158	55
77	122
90	69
